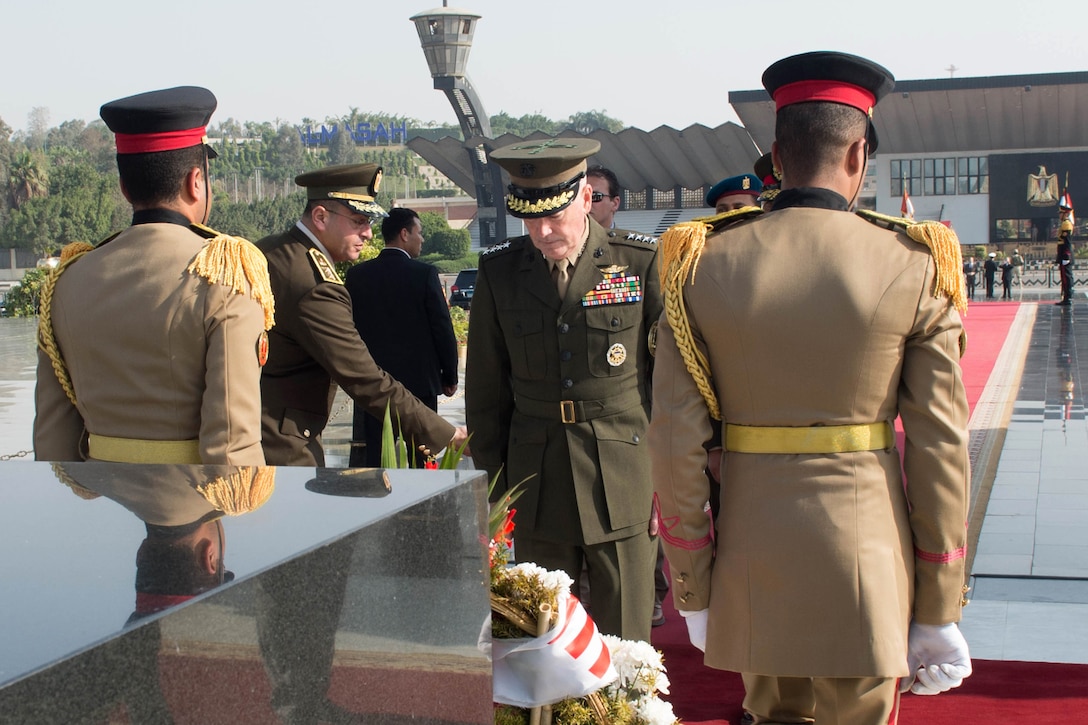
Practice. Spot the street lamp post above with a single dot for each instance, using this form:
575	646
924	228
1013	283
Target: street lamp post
446	36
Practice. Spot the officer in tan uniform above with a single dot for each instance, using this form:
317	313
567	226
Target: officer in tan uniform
315	345
151	344
557	381
829	578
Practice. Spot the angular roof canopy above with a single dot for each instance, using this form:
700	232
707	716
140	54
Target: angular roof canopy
995	113
661	159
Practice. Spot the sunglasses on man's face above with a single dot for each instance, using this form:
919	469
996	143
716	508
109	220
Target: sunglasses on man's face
598	196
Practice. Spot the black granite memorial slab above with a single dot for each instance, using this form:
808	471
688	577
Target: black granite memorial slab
203	594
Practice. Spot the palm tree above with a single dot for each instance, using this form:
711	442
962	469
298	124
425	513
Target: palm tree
27	179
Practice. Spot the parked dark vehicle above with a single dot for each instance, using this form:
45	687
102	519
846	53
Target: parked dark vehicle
462	288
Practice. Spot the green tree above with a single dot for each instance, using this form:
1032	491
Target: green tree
22	299
342	149
27	178
450	243
586	122
432	223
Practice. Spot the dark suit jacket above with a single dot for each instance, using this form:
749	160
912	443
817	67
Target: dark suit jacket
314	347
402	316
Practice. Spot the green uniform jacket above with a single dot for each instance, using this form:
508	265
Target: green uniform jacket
588	481
314	347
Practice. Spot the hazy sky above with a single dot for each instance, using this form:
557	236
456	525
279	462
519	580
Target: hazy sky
648	64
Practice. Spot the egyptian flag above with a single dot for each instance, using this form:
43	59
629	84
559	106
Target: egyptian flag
906	208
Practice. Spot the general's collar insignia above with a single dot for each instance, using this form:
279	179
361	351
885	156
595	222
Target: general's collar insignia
324	267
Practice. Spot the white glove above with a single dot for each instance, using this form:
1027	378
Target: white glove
938	659
696	622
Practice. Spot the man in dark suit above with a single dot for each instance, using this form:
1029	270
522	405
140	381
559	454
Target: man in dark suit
402	316
314	346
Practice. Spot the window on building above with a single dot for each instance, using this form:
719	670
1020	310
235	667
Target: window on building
634	199
939	177
663	199
973	175
906	172
692	198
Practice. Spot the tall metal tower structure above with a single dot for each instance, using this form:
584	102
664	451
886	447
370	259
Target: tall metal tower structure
446	36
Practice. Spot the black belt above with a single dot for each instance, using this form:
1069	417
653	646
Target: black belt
577	411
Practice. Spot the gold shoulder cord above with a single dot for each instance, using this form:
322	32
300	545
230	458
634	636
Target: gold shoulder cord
681	247
236	263
46	341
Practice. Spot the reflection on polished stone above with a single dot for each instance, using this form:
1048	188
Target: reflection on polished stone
210	594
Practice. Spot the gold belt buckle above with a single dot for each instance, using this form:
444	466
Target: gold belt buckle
566	411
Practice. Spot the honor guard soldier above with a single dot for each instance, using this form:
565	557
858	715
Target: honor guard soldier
829	579
557	381
315	346
151	343
735	192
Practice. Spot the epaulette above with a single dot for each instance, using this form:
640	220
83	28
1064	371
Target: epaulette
497	248
46	341
108	239
323	266
235	263
243	490
204	231
717	222
943	244
636	237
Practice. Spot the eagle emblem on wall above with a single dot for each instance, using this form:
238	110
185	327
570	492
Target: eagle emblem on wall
1042	188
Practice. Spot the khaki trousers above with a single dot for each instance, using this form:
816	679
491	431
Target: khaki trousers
821	700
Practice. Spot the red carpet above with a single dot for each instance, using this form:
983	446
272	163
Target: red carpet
997	692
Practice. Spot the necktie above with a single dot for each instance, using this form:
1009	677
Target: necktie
562	277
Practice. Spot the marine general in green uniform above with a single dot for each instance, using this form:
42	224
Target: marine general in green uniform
557	381
315	346
151	343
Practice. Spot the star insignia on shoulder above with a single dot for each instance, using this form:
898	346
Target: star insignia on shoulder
496	248
645	238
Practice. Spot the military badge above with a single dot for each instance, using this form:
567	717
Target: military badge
324	267
617	354
615	288
262	349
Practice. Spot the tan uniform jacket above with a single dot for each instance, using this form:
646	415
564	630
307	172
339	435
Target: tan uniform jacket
588	482
816	317
153	351
314	347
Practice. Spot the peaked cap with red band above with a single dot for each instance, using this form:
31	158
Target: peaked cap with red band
166	120
829	77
